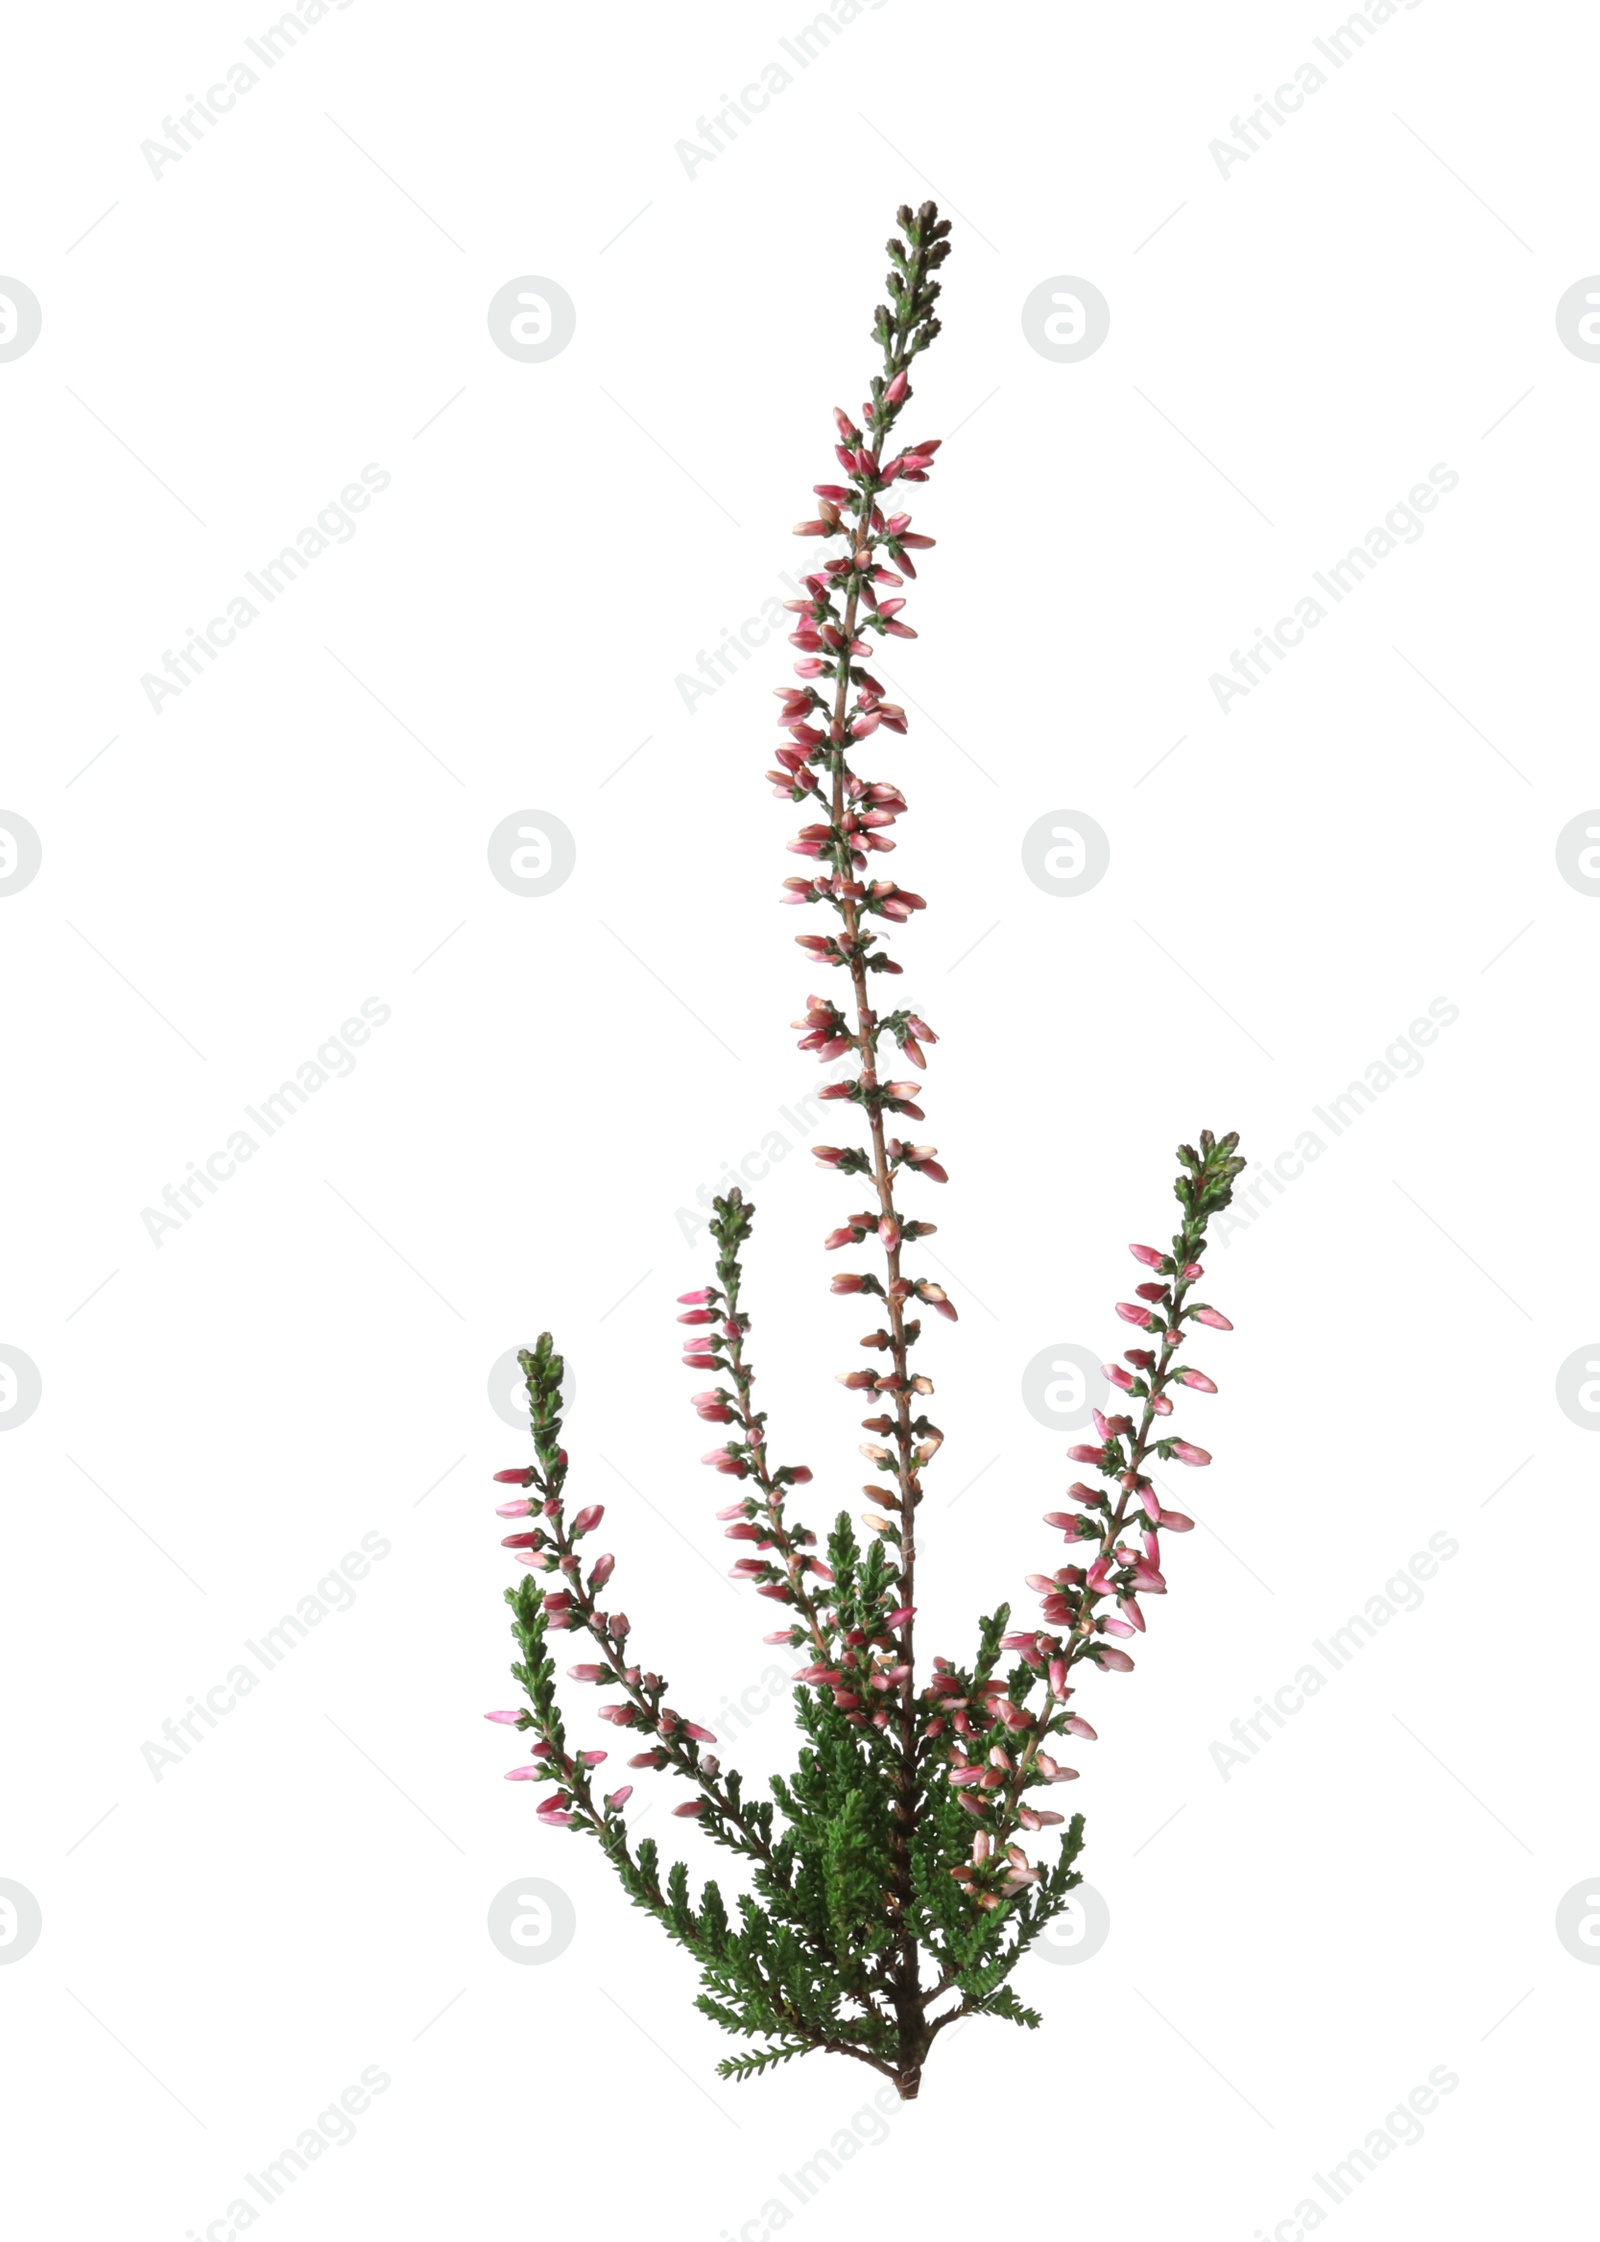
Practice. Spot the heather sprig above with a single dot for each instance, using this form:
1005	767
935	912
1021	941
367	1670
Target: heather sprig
887	1873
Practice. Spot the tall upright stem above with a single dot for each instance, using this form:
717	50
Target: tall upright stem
907	1976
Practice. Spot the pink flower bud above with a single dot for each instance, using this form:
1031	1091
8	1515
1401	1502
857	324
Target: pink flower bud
524	1775
508	1719
1115	1375
589	1673
587	1519
1115	1661
619	1798
513	1509
1149	1255
695	1299
1174	1522
1130	1313
1196	1378
1213	1317
604	1567
518	1478
690	1809
1187	1453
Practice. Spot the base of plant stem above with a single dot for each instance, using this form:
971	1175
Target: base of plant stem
908	2081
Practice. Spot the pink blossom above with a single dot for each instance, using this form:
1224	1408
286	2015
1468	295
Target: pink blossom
508	1719
1187	1453
1196	1378
1151	1256
1213	1317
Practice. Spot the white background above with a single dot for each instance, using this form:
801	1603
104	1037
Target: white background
304	1360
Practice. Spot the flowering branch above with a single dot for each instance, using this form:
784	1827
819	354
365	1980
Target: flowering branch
897	1876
